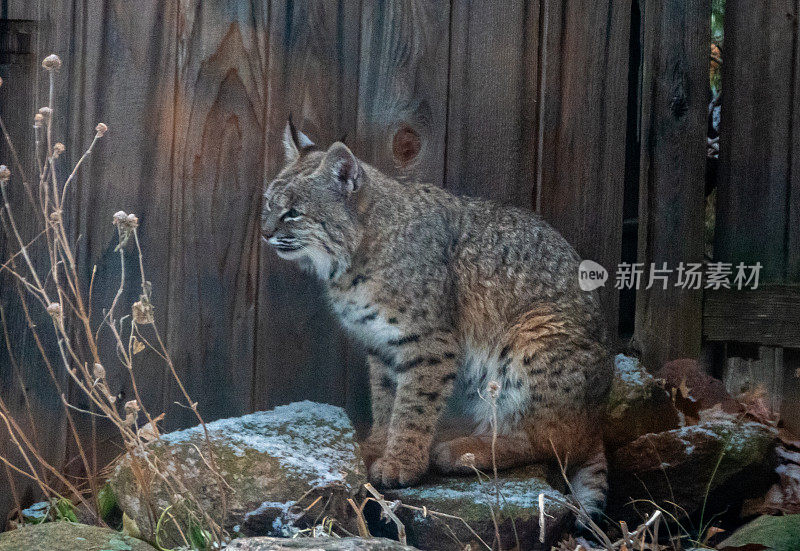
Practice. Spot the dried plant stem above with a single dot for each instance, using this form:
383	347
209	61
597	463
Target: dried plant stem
77	166
23	250
58	288
17	163
493	403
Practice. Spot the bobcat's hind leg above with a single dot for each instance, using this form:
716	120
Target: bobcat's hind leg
509	451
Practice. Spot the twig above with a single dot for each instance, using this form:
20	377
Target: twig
401	529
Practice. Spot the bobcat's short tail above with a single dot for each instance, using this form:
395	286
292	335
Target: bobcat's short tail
590	483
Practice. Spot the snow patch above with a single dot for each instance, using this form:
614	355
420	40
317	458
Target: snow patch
522	494
314	440
630	371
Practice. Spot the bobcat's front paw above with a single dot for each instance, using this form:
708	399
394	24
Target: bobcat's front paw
371	450
396	472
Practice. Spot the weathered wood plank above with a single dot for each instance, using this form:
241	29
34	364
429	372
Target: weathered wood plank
118	69
402	107
313	73
25	387
793	230
583	107
769	315
790	413
403	87
493	52
21	9
766	372
672	173
217	171
756	135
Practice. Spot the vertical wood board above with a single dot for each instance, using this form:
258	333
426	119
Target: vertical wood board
673	160
583	102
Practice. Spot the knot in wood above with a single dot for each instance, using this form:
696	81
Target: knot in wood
406	145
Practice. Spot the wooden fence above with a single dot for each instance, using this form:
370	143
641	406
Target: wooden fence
578	109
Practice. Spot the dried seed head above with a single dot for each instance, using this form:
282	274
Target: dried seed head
101	128
54	309
143	311
52	62
120	217
5	173
126	225
55	216
46	113
38	120
130	418
494	389
132	406
58	149
468	460
99	371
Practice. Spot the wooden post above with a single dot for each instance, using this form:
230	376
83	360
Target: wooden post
671	186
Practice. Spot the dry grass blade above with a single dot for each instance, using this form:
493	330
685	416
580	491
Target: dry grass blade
54	282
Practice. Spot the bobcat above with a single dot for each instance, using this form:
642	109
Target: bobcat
449	292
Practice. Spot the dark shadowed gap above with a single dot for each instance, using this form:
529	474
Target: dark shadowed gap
630	205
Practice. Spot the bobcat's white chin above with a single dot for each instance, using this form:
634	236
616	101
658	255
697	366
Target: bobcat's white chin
296	254
317	262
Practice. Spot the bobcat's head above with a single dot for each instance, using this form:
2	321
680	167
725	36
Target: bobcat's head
309	213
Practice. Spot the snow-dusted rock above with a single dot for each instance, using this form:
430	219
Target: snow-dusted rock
637	404
316	544
270	461
472	501
679	465
68	536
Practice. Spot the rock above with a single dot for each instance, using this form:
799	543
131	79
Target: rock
775	533
37	513
637	404
270	460
317	544
67	536
695	390
784	495
677	465
471	500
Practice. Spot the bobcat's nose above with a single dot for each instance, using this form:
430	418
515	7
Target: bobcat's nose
267	226
267	231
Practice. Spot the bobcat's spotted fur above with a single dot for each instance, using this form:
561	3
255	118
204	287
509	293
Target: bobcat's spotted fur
448	292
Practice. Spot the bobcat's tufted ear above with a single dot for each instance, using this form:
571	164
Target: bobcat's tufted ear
344	167
294	141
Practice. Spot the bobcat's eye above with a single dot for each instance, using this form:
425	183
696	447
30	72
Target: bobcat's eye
291	214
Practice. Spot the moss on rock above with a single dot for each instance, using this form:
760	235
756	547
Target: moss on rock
637	404
269	460
68	536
